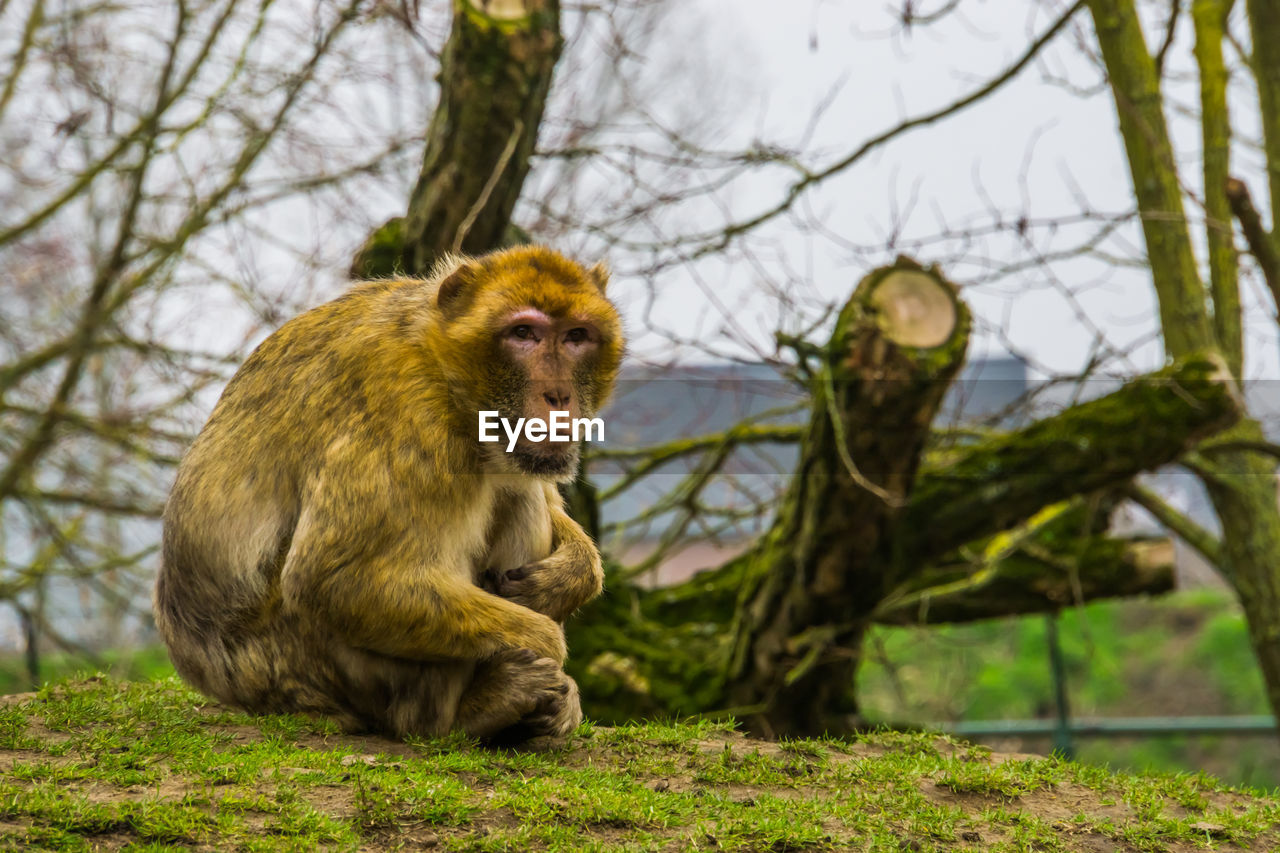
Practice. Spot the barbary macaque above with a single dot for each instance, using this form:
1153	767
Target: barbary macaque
339	541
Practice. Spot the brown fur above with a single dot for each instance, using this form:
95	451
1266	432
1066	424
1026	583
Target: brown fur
330	530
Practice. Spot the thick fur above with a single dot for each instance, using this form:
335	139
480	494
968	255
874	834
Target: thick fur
330	531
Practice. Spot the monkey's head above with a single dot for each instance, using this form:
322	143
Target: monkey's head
527	332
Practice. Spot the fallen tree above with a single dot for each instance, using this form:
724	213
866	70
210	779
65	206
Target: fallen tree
873	529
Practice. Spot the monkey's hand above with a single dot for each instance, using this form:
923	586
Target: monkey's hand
564	580
556	585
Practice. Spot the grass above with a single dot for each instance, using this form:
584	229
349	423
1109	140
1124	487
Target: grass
149	765
1183	654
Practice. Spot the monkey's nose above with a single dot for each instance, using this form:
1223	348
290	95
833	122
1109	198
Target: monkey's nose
557	398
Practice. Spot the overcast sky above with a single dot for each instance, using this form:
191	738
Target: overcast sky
1035	146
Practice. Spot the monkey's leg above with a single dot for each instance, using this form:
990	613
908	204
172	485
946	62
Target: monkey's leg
395	696
517	695
560	583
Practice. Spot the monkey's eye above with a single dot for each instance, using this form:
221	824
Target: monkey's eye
524	333
577	336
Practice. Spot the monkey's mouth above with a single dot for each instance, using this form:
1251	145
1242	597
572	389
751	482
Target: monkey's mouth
546	459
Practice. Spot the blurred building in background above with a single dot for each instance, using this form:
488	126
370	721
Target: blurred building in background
660	406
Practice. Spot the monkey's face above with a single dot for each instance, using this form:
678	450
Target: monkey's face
548	362
529	334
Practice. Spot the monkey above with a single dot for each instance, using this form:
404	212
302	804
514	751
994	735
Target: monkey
338	541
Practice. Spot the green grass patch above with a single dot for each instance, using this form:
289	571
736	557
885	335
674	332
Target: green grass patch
150	765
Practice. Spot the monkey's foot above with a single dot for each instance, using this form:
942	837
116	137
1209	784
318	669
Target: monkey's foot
556	714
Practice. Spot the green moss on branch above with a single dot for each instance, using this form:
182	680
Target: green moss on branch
997	484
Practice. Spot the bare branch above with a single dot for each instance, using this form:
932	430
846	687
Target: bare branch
716	241
146	127
1153	170
1210	19
1170	31
19	62
1190	532
1260	243
92	500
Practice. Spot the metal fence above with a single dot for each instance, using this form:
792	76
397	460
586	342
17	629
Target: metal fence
1064	730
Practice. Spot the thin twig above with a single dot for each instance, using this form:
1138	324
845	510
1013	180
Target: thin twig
1170	30
1193	534
474	213
1261	244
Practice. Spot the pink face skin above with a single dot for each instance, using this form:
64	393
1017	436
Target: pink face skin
549	349
531	326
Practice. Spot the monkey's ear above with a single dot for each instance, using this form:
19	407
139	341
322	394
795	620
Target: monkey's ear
600	275
455	285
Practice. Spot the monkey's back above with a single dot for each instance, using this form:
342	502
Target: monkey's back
343	369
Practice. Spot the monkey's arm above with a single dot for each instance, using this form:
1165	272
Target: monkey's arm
560	583
363	574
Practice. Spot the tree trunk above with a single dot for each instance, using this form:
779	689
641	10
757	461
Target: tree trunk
999	483
1242	487
814	582
1240	482
494	77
